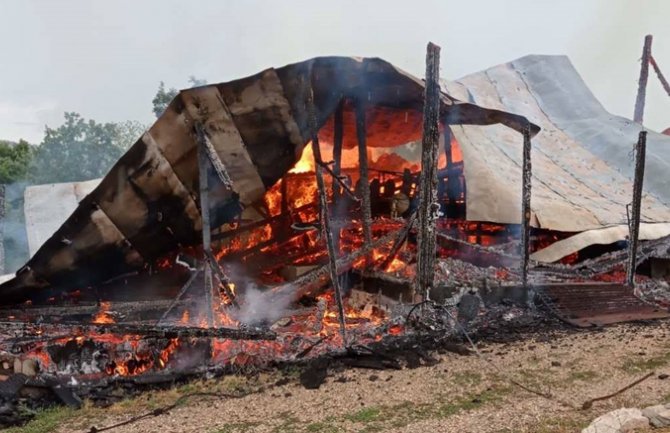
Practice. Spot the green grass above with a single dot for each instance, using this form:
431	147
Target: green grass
633	365
584	376
45	421
367	414
237	427
467	378
322	427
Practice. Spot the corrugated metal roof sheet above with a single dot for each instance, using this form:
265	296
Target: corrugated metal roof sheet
146	206
582	158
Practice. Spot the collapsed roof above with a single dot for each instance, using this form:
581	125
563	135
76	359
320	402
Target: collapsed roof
148	204
582	159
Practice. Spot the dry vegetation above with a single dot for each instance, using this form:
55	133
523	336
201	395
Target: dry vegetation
459	394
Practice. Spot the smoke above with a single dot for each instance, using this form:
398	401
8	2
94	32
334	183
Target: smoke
15	241
257	305
263	306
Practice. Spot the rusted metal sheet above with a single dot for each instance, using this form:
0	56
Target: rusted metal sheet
597	304
147	205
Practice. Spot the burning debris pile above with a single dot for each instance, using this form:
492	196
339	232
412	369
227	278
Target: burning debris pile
268	221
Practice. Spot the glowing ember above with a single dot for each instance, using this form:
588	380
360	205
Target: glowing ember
103	315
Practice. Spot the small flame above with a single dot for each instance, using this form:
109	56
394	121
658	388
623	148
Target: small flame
103	316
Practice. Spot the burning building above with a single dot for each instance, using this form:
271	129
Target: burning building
206	236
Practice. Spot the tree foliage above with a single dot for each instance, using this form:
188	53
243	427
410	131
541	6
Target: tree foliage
164	97
14	161
81	149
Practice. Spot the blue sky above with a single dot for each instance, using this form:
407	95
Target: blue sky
105	59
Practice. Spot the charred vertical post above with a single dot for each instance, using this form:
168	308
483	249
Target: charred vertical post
525	206
323	207
206	225
642	83
338	135
207	156
447	147
364	181
337	165
428	206
634	221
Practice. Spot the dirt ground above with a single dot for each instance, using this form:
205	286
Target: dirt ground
458	394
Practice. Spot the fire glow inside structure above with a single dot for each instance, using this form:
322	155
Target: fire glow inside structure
132	283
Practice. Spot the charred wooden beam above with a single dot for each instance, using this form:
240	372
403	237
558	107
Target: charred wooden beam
204	215
660	75
319	277
323	207
148	331
364	181
338	135
634	222
642	83
447	147
337	179
525	206
206	155
400	240
428	206
180	295
213	157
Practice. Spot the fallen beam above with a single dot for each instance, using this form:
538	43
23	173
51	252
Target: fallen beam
311	281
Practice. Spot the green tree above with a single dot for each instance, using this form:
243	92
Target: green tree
162	99
81	149
15	160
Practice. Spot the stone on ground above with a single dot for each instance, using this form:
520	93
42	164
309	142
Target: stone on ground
659	415
618	421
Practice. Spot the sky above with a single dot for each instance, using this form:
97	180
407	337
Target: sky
104	59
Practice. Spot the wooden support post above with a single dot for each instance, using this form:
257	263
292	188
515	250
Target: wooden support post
447	147
642	83
525	206
337	166
428	206
338	135
205	158
634	221
206	226
361	133
323	207
660	75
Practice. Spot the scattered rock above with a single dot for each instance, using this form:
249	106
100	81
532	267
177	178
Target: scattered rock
659	415
314	376
555	364
373	378
618	421
663	376
30	367
283	381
